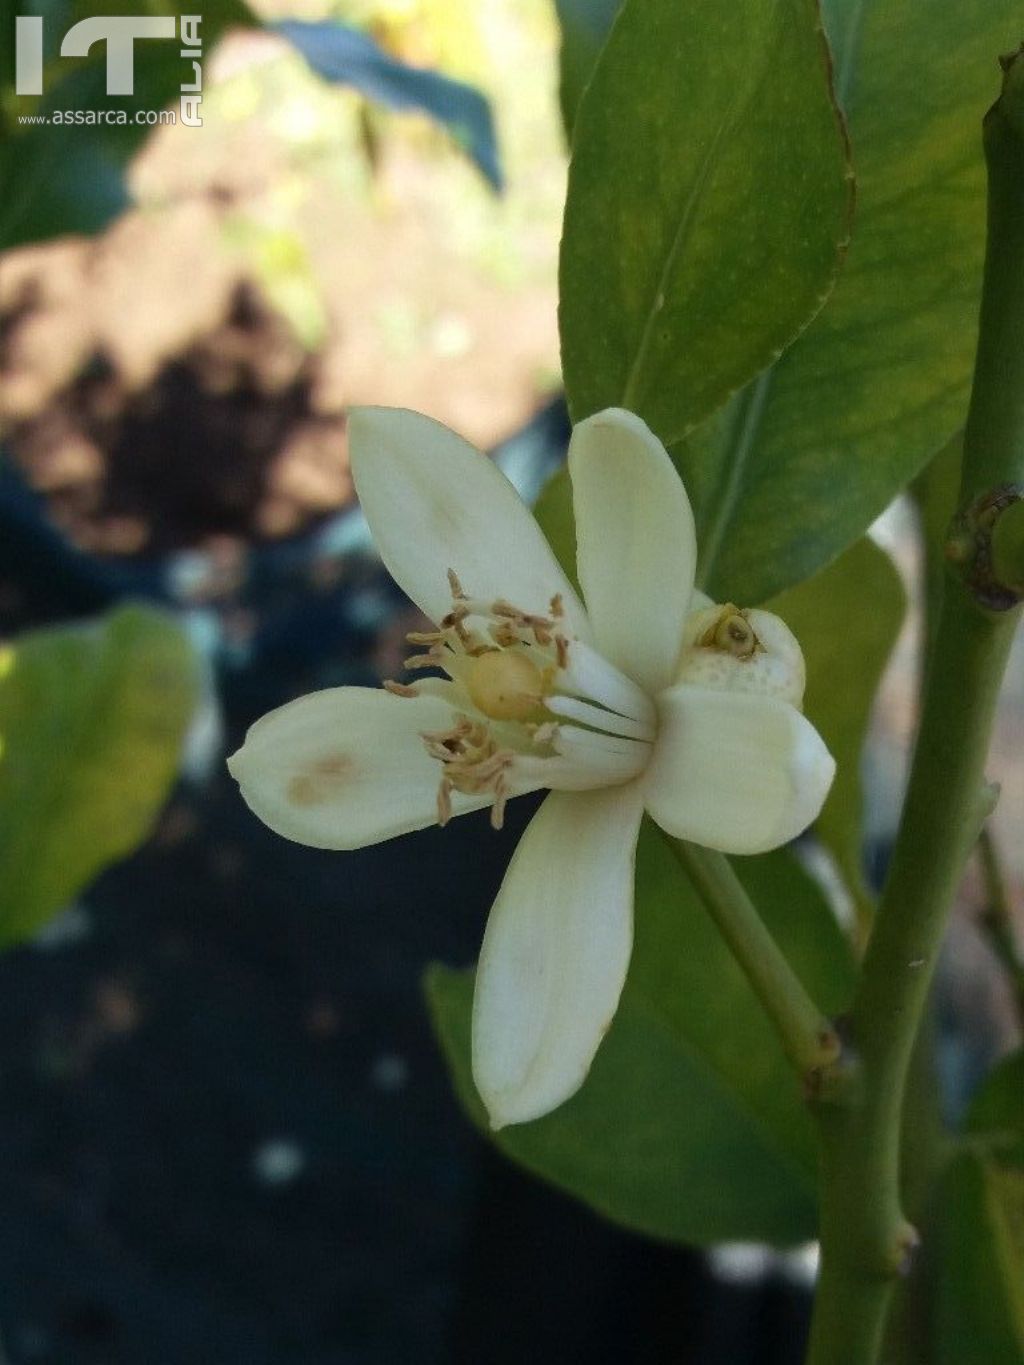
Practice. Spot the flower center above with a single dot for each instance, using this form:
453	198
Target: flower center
532	707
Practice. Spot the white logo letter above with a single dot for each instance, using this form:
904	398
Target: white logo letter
119	36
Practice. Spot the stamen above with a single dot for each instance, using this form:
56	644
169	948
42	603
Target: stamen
598	719
501	795
398	689
455	585
543	734
601	758
580	765
435	659
586	673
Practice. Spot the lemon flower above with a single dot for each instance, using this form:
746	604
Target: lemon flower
650	698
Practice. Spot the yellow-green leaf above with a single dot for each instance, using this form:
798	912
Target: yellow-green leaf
92	719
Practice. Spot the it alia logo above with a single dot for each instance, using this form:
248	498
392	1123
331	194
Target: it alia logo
119	35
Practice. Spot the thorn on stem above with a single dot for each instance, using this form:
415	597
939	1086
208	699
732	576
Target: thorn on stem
904	1249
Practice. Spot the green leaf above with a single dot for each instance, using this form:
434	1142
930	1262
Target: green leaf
846	618
690	1125
800	464
980	1299
709	197
92	720
997	1111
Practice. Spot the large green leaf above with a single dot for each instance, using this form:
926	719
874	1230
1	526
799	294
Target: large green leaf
691	1125
846	618
709	197
91	726
798	466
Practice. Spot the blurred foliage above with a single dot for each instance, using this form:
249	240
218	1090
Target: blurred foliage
842	640
343	55
92	722
979	1317
690	1125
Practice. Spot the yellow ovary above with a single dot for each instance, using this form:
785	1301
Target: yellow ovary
505	685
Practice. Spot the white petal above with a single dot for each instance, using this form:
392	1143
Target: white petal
735	772
346	767
434	503
636	547
555	953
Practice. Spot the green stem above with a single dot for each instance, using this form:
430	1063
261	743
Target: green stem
865	1238
809	1040
866	1241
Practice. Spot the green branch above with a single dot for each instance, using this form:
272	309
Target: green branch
809	1040
866	1241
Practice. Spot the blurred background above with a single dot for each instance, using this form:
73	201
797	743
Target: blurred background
226	1133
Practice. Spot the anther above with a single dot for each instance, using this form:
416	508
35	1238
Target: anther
431	660
731	633
398	689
